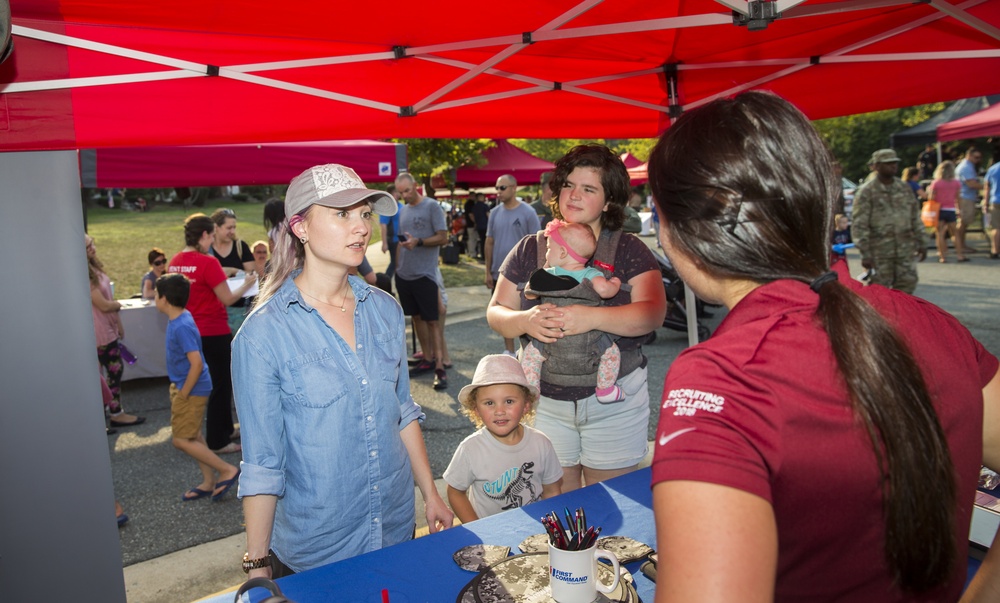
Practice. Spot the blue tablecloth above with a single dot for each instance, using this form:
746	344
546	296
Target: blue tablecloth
422	570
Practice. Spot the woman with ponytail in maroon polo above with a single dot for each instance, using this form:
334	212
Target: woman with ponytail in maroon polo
825	443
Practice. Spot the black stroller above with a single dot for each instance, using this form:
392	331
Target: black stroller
677	316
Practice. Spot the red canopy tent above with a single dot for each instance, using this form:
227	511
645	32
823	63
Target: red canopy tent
639	174
981	123
630	160
94	73
504	158
221	165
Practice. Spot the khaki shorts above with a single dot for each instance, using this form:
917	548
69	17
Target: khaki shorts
186	414
966	212
994	215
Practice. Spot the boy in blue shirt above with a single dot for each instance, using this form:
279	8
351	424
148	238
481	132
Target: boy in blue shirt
190	385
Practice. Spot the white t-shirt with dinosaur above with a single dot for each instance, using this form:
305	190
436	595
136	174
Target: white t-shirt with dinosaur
500	477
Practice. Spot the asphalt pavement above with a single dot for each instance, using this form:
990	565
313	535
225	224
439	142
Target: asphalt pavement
183	551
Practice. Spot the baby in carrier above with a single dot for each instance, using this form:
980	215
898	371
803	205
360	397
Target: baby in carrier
564	280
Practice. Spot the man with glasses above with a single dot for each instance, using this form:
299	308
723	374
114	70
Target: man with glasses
509	222
422	231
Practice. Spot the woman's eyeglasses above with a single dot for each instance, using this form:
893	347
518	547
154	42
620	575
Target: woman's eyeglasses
159	262
227	212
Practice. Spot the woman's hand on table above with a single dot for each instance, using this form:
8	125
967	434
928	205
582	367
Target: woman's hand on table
544	322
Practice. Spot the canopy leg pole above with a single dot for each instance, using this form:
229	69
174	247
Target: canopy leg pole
690	304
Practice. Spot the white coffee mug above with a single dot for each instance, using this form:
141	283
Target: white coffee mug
573	574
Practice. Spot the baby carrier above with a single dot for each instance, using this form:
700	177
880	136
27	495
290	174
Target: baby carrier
573	360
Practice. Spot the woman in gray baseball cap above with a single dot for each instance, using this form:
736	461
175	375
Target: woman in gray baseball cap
331	436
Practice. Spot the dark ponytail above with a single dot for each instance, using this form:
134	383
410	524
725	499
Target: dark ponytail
890	397
745	187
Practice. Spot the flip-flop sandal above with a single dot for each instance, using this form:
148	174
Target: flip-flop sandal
198	493
138	421
230	448
225	485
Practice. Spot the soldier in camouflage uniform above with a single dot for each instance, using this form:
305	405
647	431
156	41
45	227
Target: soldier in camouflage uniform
886	225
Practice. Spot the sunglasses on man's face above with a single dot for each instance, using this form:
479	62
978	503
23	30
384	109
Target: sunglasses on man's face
502	188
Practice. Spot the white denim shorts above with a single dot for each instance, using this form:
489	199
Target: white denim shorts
595	435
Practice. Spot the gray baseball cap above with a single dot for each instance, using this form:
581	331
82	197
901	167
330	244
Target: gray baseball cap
334	185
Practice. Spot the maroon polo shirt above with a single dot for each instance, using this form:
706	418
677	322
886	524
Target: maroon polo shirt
761	407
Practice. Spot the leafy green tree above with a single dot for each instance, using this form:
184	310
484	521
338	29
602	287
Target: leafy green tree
853	138
441	156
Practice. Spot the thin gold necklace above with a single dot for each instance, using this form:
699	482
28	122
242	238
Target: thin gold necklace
343	303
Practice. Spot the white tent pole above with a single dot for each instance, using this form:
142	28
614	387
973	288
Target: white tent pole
315	62
83	82
472	100
958	13
828	56
497	72
832	8
129	53
784	5
739	6
506	53
307	90
455	83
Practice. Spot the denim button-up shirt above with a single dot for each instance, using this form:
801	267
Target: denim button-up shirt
320	425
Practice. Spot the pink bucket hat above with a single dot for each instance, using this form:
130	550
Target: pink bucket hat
495	369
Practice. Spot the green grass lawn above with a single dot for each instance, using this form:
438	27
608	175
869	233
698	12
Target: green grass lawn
124	238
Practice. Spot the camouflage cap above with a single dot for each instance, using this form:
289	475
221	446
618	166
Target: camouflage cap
884	156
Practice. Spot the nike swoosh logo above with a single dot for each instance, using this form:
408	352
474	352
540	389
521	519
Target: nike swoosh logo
666	438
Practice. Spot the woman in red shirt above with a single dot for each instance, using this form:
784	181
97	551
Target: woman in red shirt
210	294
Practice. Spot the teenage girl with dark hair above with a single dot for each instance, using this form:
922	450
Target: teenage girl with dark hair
825	443
594	441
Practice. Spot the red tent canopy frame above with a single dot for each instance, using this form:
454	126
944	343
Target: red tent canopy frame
221	165
95	73
501	159
979	124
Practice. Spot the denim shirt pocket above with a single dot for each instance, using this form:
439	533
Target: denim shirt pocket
315	377
388	355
